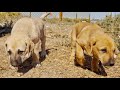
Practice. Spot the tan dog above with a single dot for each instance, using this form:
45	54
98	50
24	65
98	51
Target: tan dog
26	37
91	40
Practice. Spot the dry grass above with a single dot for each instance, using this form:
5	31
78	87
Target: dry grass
8	16
112	25
57	63
66	20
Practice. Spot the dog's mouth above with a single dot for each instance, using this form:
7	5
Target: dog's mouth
20	66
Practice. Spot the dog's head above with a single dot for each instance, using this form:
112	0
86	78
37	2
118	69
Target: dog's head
18	50
104	49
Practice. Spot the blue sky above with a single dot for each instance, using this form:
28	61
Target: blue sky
94	15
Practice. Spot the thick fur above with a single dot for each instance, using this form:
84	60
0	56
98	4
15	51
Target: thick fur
90	39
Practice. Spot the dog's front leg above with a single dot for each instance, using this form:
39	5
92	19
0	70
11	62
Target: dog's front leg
79	56
35	55
43	52
73	45
72	56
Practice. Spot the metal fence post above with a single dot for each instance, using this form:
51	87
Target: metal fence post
30	14
89	19
76	16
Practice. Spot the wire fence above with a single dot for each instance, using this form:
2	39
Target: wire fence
56	14
113	29
32	14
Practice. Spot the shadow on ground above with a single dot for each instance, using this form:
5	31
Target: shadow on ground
26	66
88	60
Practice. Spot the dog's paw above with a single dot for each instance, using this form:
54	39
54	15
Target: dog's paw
13	68
72	58
20	74
38	65
43	54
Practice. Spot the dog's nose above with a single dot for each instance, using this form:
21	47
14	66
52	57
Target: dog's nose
111	64
16	63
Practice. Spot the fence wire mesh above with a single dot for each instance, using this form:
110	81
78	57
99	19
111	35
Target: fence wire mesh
56	14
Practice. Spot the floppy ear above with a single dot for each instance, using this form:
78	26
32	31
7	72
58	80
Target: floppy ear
89	47
30	46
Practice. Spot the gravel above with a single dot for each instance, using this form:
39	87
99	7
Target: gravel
57	63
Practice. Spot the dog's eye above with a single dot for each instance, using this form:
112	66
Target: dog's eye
104	50
114	50
20	52
9	52
6	45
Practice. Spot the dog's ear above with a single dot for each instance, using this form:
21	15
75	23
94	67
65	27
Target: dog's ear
89	46
30	46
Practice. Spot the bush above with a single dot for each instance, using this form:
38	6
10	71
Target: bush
112	26
7	16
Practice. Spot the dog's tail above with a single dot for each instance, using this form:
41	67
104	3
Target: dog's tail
45	15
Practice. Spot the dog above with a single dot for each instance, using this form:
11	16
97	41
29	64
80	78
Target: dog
27	35
90	39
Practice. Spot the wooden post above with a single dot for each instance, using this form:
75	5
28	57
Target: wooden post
61	16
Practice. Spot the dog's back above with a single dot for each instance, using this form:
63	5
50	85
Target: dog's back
78	27
29	27
22	25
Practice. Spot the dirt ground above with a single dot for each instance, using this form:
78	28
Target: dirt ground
57	63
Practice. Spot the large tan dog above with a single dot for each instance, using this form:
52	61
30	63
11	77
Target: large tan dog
27	36
91	40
